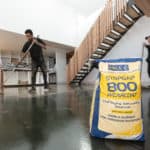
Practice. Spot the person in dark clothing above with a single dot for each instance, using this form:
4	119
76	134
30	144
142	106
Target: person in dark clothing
147	45
36	56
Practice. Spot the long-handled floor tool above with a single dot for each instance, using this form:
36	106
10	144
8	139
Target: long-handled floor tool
23	57
21	60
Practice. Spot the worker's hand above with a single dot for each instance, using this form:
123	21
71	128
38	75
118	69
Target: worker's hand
38	43
35	41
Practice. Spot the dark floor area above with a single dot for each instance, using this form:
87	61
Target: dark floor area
58	120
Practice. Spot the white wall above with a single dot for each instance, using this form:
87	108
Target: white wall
130	46
61	67
10	78
84	24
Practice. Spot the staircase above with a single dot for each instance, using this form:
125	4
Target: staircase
114	21
144	5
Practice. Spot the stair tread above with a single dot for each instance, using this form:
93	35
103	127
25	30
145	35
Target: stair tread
125	21
103	47
132	13
109	42
114	36
119	29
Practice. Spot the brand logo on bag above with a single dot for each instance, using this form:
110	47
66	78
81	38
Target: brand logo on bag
118	67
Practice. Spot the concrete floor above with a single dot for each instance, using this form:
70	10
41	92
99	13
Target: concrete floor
57	120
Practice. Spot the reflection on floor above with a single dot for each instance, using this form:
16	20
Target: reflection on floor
57	120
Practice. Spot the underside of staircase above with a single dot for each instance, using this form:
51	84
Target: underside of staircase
144	5
114	21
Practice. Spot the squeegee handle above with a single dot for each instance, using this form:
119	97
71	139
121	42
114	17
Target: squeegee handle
25	54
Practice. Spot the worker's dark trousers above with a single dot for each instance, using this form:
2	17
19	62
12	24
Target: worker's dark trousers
42	66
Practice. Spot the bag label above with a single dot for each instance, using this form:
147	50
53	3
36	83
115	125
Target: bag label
120	104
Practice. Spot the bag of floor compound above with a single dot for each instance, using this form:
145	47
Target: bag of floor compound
116	106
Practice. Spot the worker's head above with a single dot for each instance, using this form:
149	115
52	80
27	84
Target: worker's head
147	38
29	34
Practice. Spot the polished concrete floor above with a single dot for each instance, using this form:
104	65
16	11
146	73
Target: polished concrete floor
57	120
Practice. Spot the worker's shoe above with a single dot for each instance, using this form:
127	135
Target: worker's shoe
32	90
46	89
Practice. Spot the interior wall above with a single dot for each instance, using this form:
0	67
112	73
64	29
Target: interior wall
130	46
61	73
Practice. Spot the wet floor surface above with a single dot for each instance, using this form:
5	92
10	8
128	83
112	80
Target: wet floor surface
58	120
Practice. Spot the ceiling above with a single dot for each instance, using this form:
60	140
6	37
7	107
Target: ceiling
12	43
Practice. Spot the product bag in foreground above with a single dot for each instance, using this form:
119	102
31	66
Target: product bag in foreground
116	111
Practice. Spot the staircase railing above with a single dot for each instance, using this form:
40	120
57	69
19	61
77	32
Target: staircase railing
111	14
